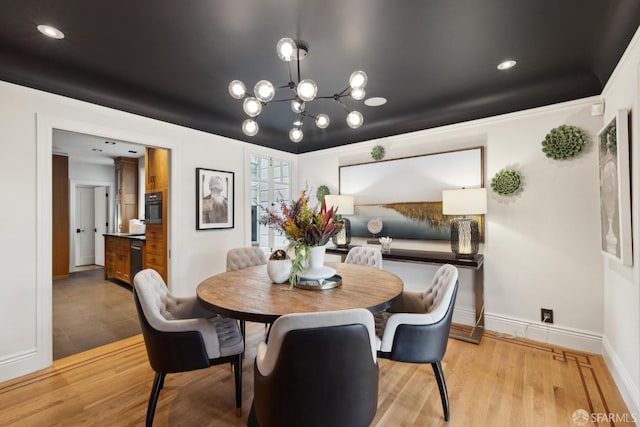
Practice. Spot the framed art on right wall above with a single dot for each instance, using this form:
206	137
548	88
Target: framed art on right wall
615	188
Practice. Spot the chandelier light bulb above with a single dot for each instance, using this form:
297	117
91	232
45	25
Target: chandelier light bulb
252	106
297	106
286	49
250	127
358	94
296	135
237	89
355	119
307	90
358	80
297	123
322	121
264	91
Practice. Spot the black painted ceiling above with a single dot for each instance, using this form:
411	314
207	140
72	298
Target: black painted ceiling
434	60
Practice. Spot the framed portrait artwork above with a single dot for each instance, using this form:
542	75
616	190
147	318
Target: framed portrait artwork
615	188
214	199
402	197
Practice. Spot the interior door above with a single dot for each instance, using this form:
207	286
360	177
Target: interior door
101	205
84	226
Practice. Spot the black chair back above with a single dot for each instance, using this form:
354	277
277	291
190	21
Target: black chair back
323	377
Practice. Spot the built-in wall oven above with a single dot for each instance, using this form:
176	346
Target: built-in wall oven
153	208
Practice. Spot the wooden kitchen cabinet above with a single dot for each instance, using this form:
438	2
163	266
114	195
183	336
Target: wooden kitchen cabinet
117	258
156	166
157	180
156	248
126	192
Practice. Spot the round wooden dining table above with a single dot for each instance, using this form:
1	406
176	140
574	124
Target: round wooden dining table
248	293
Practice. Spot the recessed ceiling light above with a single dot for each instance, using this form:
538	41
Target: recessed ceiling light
505	65
50	31
376	101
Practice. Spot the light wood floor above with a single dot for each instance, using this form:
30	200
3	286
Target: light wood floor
500	382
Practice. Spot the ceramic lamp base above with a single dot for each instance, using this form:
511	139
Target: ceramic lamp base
465	237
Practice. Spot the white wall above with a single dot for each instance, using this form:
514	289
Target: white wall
622	283
27	118
542	246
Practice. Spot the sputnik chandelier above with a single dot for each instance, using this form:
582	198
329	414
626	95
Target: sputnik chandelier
304	91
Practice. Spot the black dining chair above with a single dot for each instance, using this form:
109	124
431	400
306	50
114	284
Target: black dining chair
416	327
181	335
318	370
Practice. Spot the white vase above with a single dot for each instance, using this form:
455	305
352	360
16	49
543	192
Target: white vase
316	257
279	270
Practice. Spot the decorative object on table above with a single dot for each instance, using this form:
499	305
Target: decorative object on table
301	92
615	188
386	243
564	142
321	192
506	182
406	193
214	199
465	237
334	281
374	225
279	266
342	205
308	231
377	153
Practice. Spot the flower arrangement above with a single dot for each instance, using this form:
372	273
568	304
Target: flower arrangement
305	227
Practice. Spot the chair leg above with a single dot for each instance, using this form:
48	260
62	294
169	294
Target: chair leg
243	327
158	383
437	370
237	373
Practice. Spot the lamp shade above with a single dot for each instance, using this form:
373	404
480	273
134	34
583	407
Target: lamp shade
471	201
344	204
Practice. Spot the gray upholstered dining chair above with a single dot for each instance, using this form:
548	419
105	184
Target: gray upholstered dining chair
239	258
181	335
318	369
364	255
416	327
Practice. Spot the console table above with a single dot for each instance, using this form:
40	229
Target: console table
430	257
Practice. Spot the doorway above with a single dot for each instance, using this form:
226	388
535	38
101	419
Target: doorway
89	222
87	310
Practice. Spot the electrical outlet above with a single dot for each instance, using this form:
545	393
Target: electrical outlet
546	315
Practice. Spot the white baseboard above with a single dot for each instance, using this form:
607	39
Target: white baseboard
620	374
566	337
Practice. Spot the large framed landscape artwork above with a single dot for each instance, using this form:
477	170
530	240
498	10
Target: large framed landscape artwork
615	188
406	194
